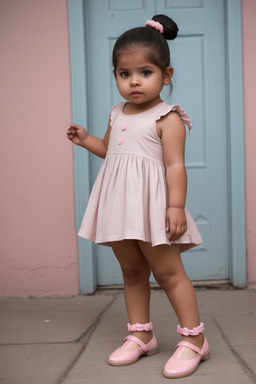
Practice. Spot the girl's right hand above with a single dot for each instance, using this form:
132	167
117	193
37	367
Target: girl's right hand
77	134
176	223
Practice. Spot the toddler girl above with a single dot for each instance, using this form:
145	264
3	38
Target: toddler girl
137	205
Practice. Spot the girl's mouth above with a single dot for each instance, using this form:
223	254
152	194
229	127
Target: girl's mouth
136	93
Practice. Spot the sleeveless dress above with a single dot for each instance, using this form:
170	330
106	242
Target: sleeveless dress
129	196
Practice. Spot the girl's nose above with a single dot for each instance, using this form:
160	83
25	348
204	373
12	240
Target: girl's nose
135	81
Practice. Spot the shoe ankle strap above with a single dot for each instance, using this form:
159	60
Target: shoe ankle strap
191	332
140	327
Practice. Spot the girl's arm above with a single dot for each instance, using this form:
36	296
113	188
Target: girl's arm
173	137
79	136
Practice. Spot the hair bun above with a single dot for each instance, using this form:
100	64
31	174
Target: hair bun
170	27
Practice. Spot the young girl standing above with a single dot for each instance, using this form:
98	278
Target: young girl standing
137	205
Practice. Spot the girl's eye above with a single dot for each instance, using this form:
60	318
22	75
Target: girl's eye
146	73
124	74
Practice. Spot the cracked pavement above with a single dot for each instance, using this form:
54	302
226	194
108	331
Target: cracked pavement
73	347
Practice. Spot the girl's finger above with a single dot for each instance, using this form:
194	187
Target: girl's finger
173	231
74	126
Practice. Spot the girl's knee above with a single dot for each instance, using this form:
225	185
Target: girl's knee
133	275
169	280
164	280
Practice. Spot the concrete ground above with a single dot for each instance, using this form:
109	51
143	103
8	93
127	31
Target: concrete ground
82	331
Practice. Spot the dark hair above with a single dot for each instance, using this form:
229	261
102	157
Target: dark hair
151	38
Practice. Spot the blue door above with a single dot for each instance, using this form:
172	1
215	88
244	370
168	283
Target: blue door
200	86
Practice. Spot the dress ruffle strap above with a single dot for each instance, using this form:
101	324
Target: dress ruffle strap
176	108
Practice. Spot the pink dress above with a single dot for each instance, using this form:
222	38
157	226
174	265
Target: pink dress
129	197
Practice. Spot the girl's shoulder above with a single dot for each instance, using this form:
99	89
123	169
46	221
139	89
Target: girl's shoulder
165	109
116	109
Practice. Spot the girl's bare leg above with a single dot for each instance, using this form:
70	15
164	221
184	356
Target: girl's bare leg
167	267
136	272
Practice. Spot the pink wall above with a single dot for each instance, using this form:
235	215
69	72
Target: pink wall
249	59
38	247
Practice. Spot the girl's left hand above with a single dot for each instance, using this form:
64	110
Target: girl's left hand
176	223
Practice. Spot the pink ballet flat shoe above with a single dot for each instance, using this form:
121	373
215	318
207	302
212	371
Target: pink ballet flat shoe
176	367
124	356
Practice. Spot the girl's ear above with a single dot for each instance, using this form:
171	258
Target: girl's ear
167	76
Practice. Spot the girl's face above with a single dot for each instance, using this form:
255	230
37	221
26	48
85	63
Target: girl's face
139	80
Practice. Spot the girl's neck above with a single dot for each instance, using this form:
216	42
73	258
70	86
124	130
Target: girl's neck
132	108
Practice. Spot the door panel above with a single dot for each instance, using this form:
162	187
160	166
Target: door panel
198	58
